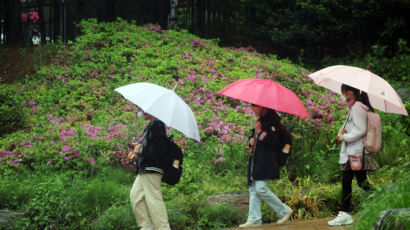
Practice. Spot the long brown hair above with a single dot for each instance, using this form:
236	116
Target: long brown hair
358	95
269	119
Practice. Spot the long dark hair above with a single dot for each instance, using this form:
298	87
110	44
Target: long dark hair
269	119
358	95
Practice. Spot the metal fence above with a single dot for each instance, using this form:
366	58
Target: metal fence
40	20
53	13
51	20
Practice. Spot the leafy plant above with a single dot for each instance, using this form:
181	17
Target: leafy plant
11	110
392	196
77	129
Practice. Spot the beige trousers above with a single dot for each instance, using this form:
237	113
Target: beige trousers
146	201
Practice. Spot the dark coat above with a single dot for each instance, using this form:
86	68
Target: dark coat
153	149
263	164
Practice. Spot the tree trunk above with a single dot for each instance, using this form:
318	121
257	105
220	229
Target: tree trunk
13	26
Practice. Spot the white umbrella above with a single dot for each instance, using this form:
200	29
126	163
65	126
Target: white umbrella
381	95
163	104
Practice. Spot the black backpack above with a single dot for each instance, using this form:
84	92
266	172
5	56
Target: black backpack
172	174
286	140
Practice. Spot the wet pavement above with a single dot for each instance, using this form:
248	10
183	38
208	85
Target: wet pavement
298	225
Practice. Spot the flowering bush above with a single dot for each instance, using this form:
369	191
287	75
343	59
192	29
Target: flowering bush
76	122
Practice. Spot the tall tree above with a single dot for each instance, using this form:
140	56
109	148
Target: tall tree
13	25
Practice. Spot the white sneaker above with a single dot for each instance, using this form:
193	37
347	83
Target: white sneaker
250	225
343	218
285	217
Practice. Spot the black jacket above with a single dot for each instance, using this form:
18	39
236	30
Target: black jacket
263	164
153	149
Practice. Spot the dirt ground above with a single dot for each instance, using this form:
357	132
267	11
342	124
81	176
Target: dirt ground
15	62
299	225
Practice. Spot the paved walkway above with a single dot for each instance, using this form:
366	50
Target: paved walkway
298	225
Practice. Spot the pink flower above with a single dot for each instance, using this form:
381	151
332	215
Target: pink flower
219	160
209	131
75	152
90	160
94	73
187	55
66	148
309	102
49	162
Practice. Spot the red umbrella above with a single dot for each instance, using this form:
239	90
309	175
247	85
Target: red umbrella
266	93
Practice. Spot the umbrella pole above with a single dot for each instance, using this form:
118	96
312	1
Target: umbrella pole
368	67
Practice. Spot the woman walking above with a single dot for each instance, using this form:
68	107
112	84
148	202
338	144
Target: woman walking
352	151
146	198
263	166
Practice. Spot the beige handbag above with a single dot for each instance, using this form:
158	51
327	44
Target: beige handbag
356	163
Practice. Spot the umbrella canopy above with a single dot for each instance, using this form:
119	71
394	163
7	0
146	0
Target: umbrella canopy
163	104
266	93
381	95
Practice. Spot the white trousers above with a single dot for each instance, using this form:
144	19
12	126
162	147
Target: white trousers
146	202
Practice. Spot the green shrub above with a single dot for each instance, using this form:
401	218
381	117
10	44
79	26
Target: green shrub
116	217
66	200
75	140
219	216
394	195
178	220
11	110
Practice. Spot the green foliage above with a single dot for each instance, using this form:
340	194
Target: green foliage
392	196
219	216
116	217
76	136
11	110
391	66
67	199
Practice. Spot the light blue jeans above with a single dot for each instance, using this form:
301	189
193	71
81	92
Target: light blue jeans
260	191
